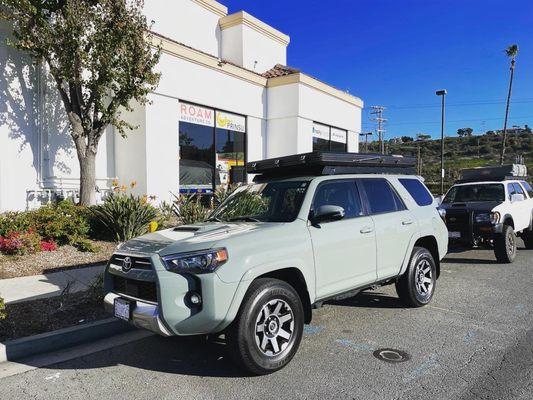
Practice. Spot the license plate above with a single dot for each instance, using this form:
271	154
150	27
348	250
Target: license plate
454	235
123	309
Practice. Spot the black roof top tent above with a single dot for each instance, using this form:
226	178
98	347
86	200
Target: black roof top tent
497	174
330	163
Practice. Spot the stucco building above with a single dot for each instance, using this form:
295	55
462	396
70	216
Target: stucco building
226	96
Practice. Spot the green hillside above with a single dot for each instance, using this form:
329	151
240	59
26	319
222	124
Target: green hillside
460	152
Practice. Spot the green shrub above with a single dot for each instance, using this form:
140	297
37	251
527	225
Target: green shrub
63	222
190	209
3	314
13	222
125	216
86	246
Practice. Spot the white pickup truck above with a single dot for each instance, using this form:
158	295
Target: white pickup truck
491	206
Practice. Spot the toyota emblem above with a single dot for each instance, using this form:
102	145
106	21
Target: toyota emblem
126	264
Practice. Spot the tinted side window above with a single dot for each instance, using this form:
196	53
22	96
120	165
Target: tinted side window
418	191
511	189
518	189
381	196
528	188
339	193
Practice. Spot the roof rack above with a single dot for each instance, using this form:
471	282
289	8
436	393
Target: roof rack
330	163
498	173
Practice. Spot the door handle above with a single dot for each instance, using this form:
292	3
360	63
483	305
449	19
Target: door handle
366	229
408	222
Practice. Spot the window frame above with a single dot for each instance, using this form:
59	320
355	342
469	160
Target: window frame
214	144
357	194
366	201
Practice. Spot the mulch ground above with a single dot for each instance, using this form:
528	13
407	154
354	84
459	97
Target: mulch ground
45	315
65	257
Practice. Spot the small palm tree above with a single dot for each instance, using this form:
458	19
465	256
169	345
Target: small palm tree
511	52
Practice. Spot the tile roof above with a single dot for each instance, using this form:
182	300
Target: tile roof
280	70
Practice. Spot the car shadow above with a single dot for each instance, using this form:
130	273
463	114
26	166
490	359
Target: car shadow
369	300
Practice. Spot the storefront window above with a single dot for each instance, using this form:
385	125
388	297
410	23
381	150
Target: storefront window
326	138
212	148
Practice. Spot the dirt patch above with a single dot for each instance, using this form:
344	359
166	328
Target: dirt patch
45	315
64	258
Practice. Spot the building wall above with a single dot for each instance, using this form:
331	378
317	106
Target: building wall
261	53
187	22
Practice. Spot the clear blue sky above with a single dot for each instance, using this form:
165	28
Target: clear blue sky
396	53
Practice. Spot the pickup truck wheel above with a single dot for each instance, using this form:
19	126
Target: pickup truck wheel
268	329
417	285
505	245
527	237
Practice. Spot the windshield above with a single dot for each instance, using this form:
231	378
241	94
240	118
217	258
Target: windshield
265	202
481	192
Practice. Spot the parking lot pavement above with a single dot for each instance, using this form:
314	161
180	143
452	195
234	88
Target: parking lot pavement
475	341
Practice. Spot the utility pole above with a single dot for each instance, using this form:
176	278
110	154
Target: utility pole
366	135
378	111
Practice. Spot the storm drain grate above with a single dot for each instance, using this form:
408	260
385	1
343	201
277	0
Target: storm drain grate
391	355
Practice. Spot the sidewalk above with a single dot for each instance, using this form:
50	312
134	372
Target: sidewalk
42	286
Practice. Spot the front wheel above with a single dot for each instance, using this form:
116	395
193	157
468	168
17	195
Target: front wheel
268	329
505	245
417	285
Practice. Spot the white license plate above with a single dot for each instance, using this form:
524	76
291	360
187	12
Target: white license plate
122	309
454	235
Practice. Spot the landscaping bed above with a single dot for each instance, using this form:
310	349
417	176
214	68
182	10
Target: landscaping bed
64	258
45	315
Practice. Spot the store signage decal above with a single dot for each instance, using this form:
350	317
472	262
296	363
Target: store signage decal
197	115
231	122
321	131
338	135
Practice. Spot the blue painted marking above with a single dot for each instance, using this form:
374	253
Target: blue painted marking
469	336
312	330
423	368
356	346
520	307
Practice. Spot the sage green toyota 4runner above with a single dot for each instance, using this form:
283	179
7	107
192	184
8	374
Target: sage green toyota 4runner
311	228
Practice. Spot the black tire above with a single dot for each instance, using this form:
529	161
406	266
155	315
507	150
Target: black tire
412	288
255	350
505	245
527	237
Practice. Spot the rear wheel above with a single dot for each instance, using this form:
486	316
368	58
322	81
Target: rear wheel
268	329
417	285
505	245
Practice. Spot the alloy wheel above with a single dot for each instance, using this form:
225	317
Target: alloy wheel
424	278
274	327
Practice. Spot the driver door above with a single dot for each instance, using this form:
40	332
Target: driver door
344	250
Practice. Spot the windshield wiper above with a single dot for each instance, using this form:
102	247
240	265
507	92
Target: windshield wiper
244	218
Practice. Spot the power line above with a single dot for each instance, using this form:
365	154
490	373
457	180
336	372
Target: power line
457	120
462	104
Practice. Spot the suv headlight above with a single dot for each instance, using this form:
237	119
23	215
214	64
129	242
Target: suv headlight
200	262
493	217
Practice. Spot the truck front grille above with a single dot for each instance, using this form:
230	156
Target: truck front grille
143	263
139	289
460	221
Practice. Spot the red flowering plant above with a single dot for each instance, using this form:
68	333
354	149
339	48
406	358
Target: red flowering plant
20	243
48	245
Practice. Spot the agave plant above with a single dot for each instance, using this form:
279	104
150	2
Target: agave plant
190	209
125	216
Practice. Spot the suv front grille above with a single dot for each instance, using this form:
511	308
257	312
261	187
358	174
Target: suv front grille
136	262
459	221
139	289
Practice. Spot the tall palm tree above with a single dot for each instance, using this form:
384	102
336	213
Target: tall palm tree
512	52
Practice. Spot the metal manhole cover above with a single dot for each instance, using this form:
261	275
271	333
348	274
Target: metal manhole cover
391	355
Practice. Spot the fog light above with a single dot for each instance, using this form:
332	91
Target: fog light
195	298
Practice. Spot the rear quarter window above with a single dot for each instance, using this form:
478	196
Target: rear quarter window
528	188
418	191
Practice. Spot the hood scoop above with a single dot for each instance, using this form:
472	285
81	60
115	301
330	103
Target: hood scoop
186	229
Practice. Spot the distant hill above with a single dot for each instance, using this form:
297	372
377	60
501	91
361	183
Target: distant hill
460	152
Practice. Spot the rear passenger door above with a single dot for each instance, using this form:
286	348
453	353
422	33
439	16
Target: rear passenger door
521	209
344	250
395	225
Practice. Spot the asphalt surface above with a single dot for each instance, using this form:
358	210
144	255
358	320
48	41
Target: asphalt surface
475	341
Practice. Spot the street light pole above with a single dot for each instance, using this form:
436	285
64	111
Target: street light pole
366	135
443	94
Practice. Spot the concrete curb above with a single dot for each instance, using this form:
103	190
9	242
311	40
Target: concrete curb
17	349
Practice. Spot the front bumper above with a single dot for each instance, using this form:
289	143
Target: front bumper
171	312
144	315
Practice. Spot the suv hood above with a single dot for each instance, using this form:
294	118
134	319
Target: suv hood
472	206
188	238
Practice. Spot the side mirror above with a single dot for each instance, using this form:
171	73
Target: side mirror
517	197
327	213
